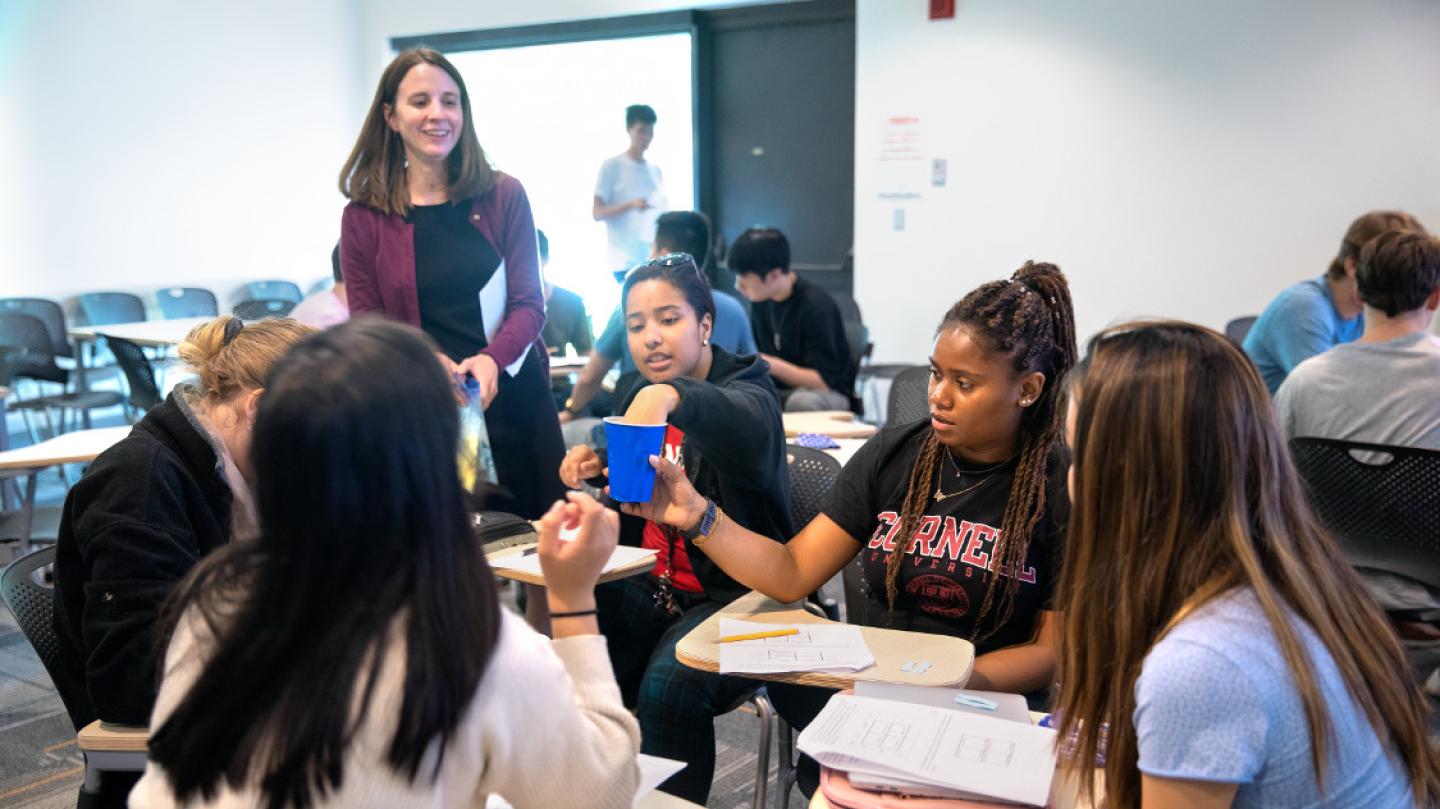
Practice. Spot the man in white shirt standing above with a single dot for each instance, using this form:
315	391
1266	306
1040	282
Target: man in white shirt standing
630	194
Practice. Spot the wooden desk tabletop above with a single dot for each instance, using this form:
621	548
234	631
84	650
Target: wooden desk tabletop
950	658
102	736
834	423
145	333
76	446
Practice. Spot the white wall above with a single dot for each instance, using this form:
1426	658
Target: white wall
1175	158
156	142
383	19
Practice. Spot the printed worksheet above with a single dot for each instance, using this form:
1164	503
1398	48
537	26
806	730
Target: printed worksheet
814	647
983	756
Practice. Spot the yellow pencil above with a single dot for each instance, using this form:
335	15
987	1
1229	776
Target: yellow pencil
774	633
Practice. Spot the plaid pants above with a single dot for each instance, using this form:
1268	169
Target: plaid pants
675	704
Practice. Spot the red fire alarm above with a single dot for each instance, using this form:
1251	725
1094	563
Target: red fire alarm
942	9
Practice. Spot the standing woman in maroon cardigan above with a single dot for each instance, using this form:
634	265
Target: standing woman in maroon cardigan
435	237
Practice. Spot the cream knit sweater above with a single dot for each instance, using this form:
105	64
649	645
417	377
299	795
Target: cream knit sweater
546	729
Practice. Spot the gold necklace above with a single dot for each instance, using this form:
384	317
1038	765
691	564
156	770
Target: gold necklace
941	495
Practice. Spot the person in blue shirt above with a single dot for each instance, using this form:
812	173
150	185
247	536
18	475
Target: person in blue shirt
675	232
1216	647
1318	314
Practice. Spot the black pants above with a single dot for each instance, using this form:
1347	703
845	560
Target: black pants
525	439
676	705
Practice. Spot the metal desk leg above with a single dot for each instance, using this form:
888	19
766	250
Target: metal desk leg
82	384
27	510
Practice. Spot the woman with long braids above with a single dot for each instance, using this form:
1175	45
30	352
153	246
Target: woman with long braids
958	520
1242	664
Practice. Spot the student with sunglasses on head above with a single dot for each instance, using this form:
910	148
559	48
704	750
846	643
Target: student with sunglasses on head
957	520
724	434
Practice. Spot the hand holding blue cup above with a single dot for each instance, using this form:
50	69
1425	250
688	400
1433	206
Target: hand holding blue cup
632	478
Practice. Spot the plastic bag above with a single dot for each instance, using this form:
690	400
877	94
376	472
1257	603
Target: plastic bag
477	463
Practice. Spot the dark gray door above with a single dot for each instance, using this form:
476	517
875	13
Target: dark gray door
782	130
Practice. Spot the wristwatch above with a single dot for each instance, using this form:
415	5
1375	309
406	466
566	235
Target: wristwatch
703	529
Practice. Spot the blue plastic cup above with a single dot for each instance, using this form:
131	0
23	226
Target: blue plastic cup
632	479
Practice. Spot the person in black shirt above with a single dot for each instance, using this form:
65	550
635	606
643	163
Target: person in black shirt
959	521
797	325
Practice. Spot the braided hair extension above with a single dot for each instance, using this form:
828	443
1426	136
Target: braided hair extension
1030	319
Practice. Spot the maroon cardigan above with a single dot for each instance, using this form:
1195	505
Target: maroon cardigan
377	258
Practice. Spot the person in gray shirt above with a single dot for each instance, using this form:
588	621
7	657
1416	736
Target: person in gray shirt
1385	387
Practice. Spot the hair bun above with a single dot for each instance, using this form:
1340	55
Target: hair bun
226	355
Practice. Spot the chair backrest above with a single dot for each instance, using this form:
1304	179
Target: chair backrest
29	334
178	302
1384	513
32	604
909	396
812	473
856	332
274	290
261	309
139	373
323	285
10	359
50	313
1238	328
104	308
852	579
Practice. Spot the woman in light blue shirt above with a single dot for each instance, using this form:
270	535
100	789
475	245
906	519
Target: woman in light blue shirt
1216	647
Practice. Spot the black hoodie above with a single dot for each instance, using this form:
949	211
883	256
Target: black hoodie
144	513
734	454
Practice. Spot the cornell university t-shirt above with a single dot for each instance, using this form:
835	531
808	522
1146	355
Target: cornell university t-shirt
948	563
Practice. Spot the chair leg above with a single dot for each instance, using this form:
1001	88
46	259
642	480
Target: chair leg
785	771
766	713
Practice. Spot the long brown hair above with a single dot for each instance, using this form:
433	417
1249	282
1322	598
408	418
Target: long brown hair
374	174
1184	490
1029	319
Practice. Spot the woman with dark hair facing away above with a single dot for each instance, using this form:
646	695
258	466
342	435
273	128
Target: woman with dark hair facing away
174	490
356	654
1208	620
435	237
958	520
724	432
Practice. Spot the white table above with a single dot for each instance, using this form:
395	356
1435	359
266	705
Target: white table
150	333
78	446
834	423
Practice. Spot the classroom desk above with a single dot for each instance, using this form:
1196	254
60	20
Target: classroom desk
847	449
77	446
561	367
834	423
664	800
950	658
518	545
147	333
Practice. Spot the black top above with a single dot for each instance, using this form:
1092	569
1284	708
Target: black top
144	513
806	329
943	580
566	322
453	261
734	453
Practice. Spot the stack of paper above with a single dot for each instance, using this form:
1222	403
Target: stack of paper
814	647
529	562
971	756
